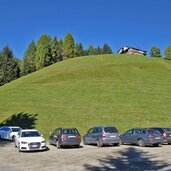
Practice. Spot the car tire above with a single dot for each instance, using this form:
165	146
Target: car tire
141	143
99	143
13	138
84	142
58	146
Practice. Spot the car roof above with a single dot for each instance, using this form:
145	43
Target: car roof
10	127
27	130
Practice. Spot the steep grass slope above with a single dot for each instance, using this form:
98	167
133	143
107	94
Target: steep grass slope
123	90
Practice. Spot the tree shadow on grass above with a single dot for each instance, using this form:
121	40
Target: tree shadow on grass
130	159
23	120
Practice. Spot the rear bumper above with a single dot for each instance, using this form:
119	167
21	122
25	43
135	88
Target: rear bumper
70	143
153	142
111	141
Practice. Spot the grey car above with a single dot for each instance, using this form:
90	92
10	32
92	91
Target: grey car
102	135
142	137
65	137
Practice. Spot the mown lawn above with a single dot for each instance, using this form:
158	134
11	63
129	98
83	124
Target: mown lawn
122	90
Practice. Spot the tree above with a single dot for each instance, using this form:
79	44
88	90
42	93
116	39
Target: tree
91	50
79	51
56	50
28	64
99	50
107	49
68	46
43	53
155	52
9	68
167	52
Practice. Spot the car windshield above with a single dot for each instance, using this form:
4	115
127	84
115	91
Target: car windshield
110	130
168	130
15	129
69	131
153	131
30	134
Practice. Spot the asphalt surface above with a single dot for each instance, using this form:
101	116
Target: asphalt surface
89	158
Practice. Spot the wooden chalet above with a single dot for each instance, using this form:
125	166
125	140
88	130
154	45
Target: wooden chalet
131	50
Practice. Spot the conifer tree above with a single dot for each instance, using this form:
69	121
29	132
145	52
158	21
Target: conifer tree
28	63
79	51
9	68
43	53
68	46
107	49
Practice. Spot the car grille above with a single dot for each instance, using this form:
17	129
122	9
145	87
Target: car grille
34	145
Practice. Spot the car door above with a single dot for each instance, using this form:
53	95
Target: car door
54	136
6	133
128	136
89	136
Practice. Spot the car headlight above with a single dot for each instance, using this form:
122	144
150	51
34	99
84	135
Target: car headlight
23	142
43	141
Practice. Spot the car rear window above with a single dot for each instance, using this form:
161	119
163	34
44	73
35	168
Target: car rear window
110	130
69	131
168	130
15	129
153	131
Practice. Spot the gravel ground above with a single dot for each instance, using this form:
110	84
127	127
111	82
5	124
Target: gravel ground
86	158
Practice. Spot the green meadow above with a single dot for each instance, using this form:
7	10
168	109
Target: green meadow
122	90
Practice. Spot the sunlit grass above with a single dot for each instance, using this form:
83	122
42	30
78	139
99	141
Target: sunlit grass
125	91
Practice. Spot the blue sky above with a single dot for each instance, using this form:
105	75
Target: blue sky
141	24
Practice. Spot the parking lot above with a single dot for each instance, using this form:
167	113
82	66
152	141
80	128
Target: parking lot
86	158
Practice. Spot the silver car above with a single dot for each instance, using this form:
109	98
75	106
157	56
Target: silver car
142	137
102	135
9	132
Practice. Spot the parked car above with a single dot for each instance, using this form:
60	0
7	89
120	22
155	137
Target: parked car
30	140
9	132
102	135
142	137
65	137
166	134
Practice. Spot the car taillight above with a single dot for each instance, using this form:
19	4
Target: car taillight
63	137
150	135
78	137
104	135
164	134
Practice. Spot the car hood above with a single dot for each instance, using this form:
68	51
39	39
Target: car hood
32	139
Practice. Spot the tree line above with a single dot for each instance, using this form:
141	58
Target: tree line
45	52
48	51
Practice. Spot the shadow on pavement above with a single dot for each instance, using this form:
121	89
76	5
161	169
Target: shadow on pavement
23	120
129	160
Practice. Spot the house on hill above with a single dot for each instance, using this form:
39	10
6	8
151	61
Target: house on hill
131	50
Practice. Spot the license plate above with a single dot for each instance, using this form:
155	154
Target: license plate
112	136
34	146
71	136
157	138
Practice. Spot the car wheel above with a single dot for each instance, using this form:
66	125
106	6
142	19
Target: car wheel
19	148
58	145
84	142
13	138
141	143
99	143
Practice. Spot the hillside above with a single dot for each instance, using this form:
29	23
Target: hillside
123	90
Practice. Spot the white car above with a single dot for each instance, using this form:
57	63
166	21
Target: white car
9	132
30	140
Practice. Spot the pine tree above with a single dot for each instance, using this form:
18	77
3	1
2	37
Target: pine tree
28	63
107	49
9	68
43	53
91	50
79	51
68	46
99	50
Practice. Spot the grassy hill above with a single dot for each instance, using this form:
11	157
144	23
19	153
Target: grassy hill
123	90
